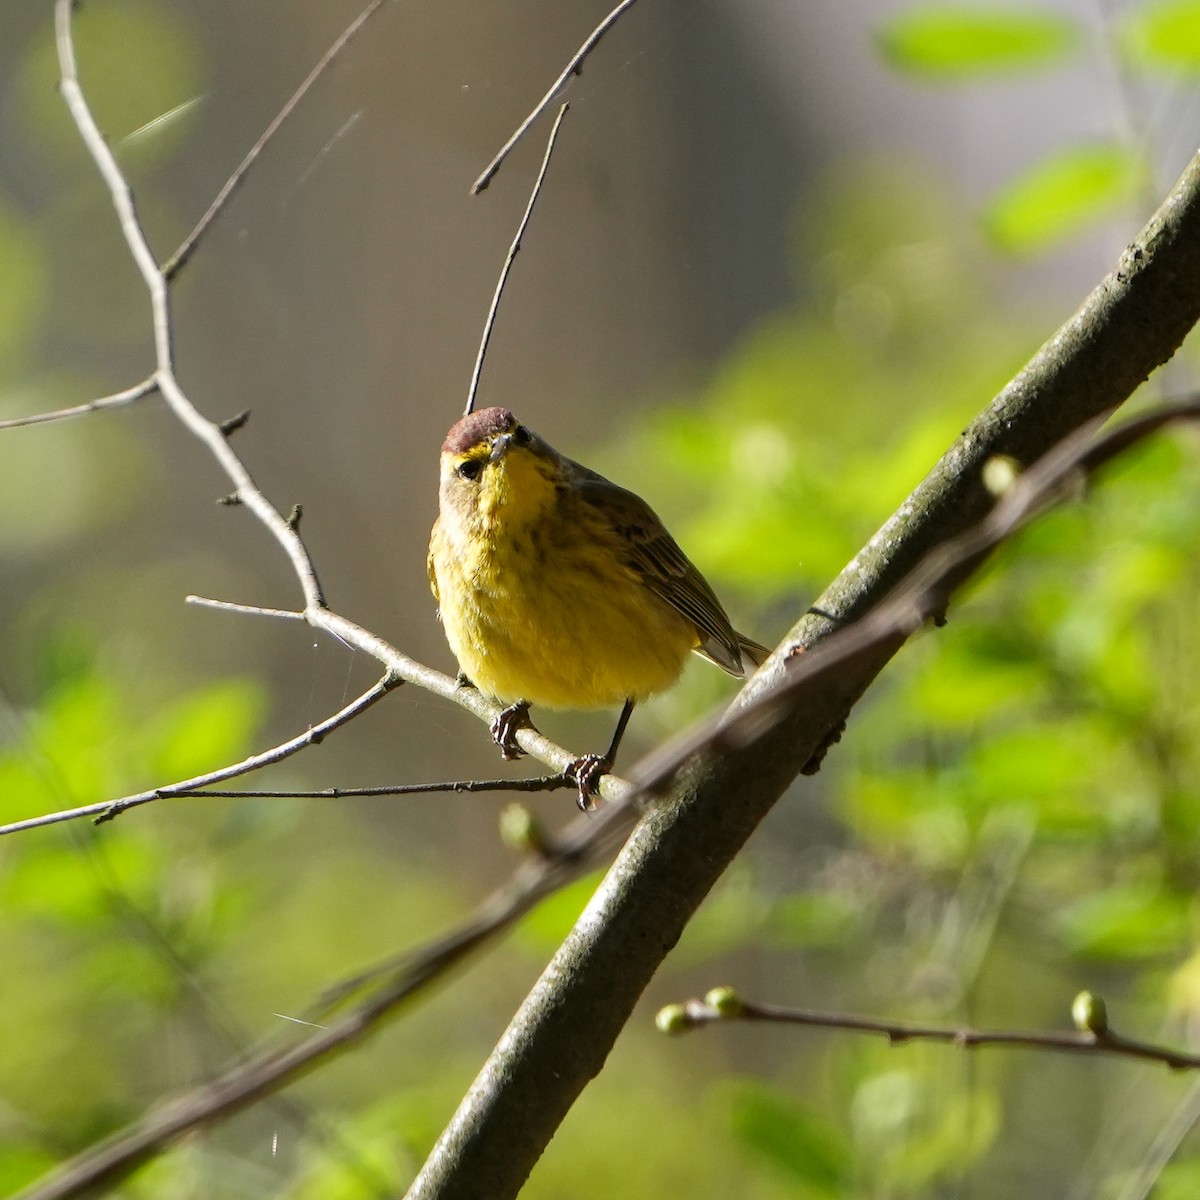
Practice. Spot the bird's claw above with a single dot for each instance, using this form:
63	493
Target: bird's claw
506	726
585	773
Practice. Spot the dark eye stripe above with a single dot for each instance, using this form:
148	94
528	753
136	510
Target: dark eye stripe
522	436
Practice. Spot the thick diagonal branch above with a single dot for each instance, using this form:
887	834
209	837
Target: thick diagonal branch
1131	324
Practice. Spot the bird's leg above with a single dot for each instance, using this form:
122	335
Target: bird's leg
585	771
504	728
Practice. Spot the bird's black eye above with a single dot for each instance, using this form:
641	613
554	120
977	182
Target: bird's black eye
522	436
471	468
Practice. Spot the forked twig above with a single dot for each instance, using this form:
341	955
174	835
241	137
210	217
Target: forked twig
155	279
574	67
216	437
513	251
188	246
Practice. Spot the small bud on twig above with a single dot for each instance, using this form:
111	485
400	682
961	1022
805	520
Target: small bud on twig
1090	1014
672	1020
235	422
520	831
725	1002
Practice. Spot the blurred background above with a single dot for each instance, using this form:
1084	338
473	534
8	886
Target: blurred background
784	253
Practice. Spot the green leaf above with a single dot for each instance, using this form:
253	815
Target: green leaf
1179	1181
816	918
206	729
774	1128
54	879
1062	195
1130	922
543	929
20	1165
916	1127
948	42
1164	36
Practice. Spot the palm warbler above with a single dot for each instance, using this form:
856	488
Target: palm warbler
557	587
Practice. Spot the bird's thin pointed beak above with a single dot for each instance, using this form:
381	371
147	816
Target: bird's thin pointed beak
500	447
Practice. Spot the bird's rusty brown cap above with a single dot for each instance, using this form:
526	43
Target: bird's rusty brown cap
476	428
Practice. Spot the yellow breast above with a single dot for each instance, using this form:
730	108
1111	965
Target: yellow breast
545	610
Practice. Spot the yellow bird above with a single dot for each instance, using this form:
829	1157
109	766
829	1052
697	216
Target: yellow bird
557	587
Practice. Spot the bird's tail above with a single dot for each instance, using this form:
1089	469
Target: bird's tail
751	650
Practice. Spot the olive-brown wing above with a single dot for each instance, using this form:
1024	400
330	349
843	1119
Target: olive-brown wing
654	554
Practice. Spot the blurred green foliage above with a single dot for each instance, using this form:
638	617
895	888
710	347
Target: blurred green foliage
1017	807
957	42
1075	186
1013	815
22	282
1062	194
1164	36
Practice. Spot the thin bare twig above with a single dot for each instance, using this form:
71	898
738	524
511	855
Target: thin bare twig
723	1004
116	400
246	491
531	740
148	928
106	810
574	67
540	783
253	610
156	283
513	251
401	669
188	246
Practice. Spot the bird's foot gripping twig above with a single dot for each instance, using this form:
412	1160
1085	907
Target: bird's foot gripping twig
585	773
506	727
